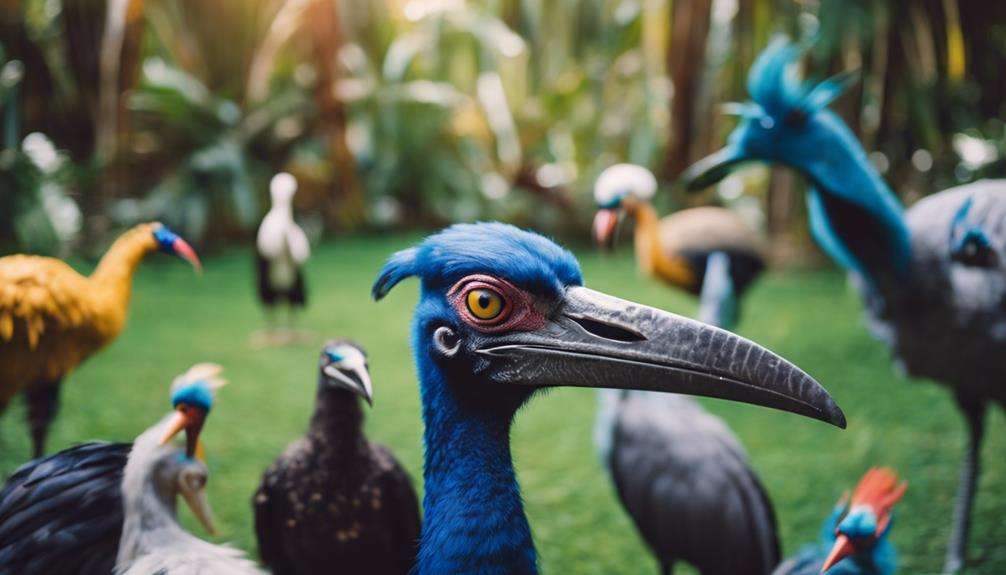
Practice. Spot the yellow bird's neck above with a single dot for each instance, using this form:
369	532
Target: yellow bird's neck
113	278
651	257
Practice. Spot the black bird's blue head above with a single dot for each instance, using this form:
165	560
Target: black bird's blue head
503	312
854	216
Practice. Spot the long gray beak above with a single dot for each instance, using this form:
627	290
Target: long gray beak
595	340
712	168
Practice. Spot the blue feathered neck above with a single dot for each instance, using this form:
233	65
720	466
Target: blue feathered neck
474	519
854	215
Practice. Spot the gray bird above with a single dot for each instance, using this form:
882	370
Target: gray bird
931	276
679	472
155	475
685	480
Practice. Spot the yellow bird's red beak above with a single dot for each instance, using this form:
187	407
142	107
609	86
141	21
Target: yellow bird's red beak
183	250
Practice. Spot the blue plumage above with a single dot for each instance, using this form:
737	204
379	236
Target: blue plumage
197	393
501	314
460	415
878	559
786	119
528	260
931	276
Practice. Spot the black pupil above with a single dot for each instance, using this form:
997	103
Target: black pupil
484	300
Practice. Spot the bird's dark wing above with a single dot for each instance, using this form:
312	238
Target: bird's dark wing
63	513
403	506
685	481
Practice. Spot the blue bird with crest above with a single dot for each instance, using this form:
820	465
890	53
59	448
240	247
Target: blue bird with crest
855	538
502	314
930	276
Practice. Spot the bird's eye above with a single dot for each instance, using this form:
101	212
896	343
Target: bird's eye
484	303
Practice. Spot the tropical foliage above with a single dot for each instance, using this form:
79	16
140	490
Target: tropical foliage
419	112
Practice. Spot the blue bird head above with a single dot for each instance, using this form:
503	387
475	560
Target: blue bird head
503	312
854	216
171	243
192	395
859	528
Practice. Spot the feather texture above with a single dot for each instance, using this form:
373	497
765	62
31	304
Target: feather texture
52	318
62	514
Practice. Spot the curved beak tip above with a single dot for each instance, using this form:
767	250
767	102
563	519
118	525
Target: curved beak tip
843	548
185	251
836	416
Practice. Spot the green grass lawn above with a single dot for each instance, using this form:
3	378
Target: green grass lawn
810	318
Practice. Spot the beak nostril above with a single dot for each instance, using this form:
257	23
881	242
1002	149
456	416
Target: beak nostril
607	330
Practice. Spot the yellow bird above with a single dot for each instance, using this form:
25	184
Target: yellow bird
52	318
710	251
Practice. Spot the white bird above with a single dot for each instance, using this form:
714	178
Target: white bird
282	250
155	475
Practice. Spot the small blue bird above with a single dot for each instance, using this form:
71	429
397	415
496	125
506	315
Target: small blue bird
854	538
503	313
931	277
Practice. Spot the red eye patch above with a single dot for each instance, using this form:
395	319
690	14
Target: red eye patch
476	295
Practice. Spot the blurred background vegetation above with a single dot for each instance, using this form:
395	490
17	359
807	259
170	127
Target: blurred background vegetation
414	113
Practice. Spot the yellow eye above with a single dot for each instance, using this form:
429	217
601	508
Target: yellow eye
484	303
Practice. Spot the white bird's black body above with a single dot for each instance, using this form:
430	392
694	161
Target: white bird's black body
334	500
281	249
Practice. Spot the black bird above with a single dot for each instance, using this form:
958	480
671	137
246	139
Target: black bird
333	499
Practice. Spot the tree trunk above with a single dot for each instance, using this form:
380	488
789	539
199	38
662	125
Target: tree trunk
321	20
690	20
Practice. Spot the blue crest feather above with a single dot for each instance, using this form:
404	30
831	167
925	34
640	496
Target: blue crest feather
775	86
524	258
398	267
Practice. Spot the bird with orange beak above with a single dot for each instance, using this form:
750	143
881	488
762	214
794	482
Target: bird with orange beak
98	501
854	538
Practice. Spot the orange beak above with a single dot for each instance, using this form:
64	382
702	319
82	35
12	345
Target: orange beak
605	222
183	250
192	422
842	549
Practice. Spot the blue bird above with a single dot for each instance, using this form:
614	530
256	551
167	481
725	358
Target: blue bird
854	538
930	277
503	313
